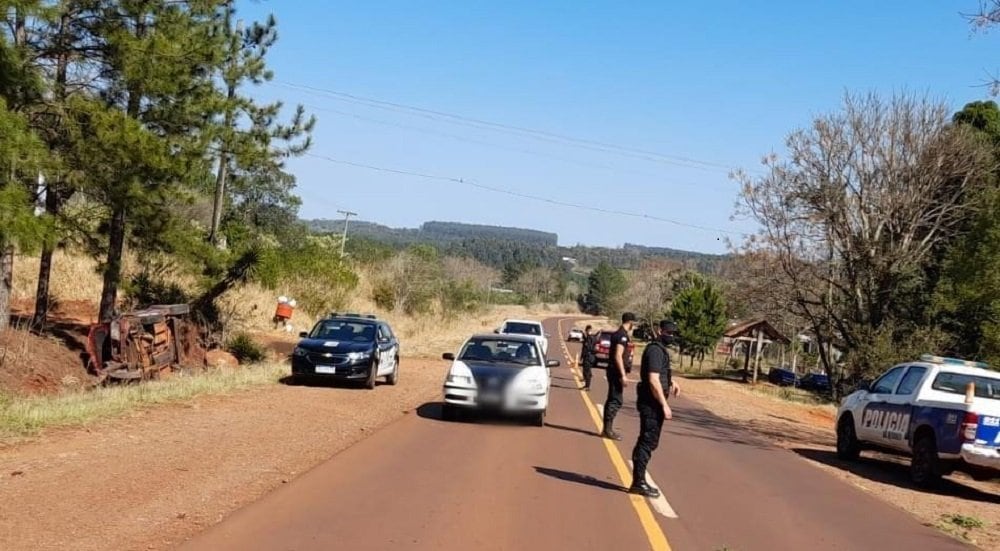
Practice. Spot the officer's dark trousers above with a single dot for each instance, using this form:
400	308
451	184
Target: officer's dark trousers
614	401
650	424
588	372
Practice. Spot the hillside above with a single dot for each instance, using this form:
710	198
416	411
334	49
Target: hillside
435	233
498	245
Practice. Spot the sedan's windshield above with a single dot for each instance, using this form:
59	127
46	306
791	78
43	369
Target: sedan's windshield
344	331
497	350
518	328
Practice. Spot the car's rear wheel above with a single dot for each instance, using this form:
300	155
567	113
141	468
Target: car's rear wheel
393	377
848	446
925	469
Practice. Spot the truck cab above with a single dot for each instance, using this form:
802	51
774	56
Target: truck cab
943	413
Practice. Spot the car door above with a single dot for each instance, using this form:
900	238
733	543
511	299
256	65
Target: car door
386	350
895	430
875	406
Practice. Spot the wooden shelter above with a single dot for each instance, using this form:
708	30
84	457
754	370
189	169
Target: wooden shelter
755	334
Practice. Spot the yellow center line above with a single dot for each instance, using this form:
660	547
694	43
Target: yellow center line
657	539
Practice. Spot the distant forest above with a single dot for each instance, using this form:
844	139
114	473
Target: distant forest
501	247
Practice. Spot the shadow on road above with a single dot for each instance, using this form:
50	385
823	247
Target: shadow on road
572	429
565	387
323	382
897	474
433	411
580	479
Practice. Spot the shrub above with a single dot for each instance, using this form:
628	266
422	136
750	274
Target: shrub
384	294
246	349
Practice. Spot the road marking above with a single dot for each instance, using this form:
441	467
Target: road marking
661	504
657	539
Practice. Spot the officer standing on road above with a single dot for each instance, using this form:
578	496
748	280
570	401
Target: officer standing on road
654	385
616	374
588	355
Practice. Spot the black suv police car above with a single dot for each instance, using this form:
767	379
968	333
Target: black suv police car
348	347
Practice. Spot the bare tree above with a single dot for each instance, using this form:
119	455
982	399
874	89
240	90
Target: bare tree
857	206
650	289
461	269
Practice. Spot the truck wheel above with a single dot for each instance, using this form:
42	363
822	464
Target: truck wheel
848	446
925	469
372	375
393	377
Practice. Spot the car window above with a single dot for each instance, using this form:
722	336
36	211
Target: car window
887	383
956	383
911	380
522	328
339	330
501	351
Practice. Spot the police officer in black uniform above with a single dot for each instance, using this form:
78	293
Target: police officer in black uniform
588	356
617	368
654	386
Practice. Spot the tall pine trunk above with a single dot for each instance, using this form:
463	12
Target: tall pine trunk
6	284
53	200
42	295
113	268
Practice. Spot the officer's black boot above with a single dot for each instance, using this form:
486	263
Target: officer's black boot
610	433
639	486
643	489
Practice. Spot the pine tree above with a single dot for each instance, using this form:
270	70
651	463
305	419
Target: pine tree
700	314
21	154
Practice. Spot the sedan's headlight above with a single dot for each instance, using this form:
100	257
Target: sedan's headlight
299	351
460	379
355	356
532	385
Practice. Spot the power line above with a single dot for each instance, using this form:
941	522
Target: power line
544	135
475	184
498	146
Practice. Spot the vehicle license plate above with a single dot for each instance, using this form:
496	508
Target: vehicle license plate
989	431
490	398
329	369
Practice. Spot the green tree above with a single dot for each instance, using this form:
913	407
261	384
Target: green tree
700	314
21	154
967	298
251	143
605	290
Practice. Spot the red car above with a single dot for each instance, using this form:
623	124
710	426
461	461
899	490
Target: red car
602	349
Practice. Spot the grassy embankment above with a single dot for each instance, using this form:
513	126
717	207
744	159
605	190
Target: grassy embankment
247	309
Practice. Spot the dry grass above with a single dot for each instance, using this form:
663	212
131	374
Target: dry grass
74	277
24	416
250	308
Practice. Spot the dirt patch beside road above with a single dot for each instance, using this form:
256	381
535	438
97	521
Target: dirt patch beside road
962	507
153	479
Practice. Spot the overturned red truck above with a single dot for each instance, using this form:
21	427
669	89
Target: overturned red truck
143	344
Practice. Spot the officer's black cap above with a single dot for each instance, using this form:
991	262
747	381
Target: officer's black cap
668	326
628	316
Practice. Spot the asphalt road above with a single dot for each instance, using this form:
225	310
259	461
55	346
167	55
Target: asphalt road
422	483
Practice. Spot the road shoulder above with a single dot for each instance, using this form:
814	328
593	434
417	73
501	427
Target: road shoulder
153	479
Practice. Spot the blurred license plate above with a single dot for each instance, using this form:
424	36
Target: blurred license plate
490	398
329	369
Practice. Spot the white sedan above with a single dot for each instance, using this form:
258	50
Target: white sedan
502	373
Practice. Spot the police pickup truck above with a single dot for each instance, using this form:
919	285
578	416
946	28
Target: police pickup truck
942	412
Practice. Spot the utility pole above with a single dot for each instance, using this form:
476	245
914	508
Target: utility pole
343	241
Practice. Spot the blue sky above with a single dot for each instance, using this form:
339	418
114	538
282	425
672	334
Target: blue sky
721	82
